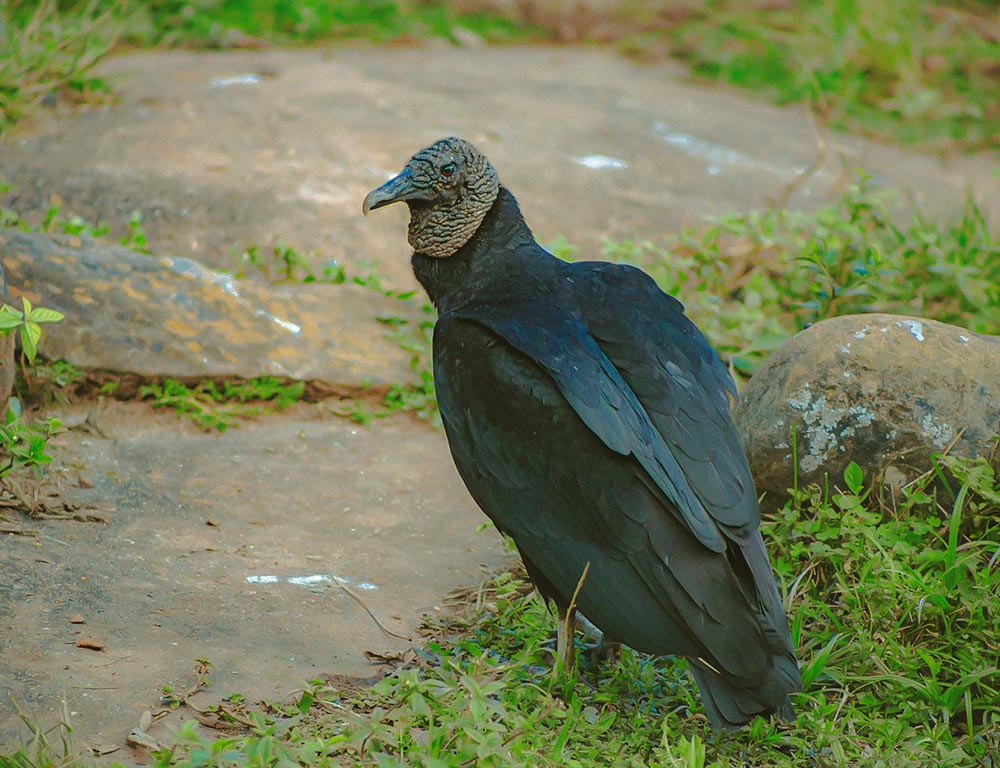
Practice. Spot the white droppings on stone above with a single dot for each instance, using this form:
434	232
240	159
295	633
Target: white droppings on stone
847	374
781	446
267	578
916	328
250	78
939	433
718	156
963	339
308	581
601	162
845	349
862	333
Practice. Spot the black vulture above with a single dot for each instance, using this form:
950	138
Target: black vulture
590	420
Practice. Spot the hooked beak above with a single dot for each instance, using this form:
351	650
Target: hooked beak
394	190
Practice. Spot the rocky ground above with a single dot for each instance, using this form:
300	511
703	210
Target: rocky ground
262	549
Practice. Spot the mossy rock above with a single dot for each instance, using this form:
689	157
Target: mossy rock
885	391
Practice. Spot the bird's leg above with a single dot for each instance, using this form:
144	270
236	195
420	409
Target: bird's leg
596	646
564	637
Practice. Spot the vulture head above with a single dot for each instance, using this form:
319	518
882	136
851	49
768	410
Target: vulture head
449	187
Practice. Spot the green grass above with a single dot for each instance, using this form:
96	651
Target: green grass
894	614
48	49
221	405
212	22
910	70
47	748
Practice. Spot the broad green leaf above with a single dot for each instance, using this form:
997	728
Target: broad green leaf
854	478
27	306
10	317
45	315
30	334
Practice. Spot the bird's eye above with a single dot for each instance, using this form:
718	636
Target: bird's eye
448	170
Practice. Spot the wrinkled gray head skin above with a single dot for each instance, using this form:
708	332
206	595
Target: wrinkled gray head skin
449	187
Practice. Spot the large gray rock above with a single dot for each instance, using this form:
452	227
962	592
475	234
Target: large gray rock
174	317
877	389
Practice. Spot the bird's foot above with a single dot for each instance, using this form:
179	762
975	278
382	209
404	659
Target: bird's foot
596	648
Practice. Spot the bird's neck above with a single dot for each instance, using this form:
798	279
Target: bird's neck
488	256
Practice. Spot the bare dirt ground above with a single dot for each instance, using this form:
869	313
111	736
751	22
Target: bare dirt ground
250	548
260	550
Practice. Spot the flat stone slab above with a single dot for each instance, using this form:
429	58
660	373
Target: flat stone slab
171	316
223	148
228	547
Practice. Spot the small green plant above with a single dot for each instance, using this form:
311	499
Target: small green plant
24	445
28	323
219	406
135	239
293	266
58	373
55	221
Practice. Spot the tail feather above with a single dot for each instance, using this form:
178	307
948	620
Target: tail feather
728	706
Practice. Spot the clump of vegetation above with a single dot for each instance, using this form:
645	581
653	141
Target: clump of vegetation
286	264
752	280
24	444
48	49
893	608
53	747
54	221
220	405
911	70
222	22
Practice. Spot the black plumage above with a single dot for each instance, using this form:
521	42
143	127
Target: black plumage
590	420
